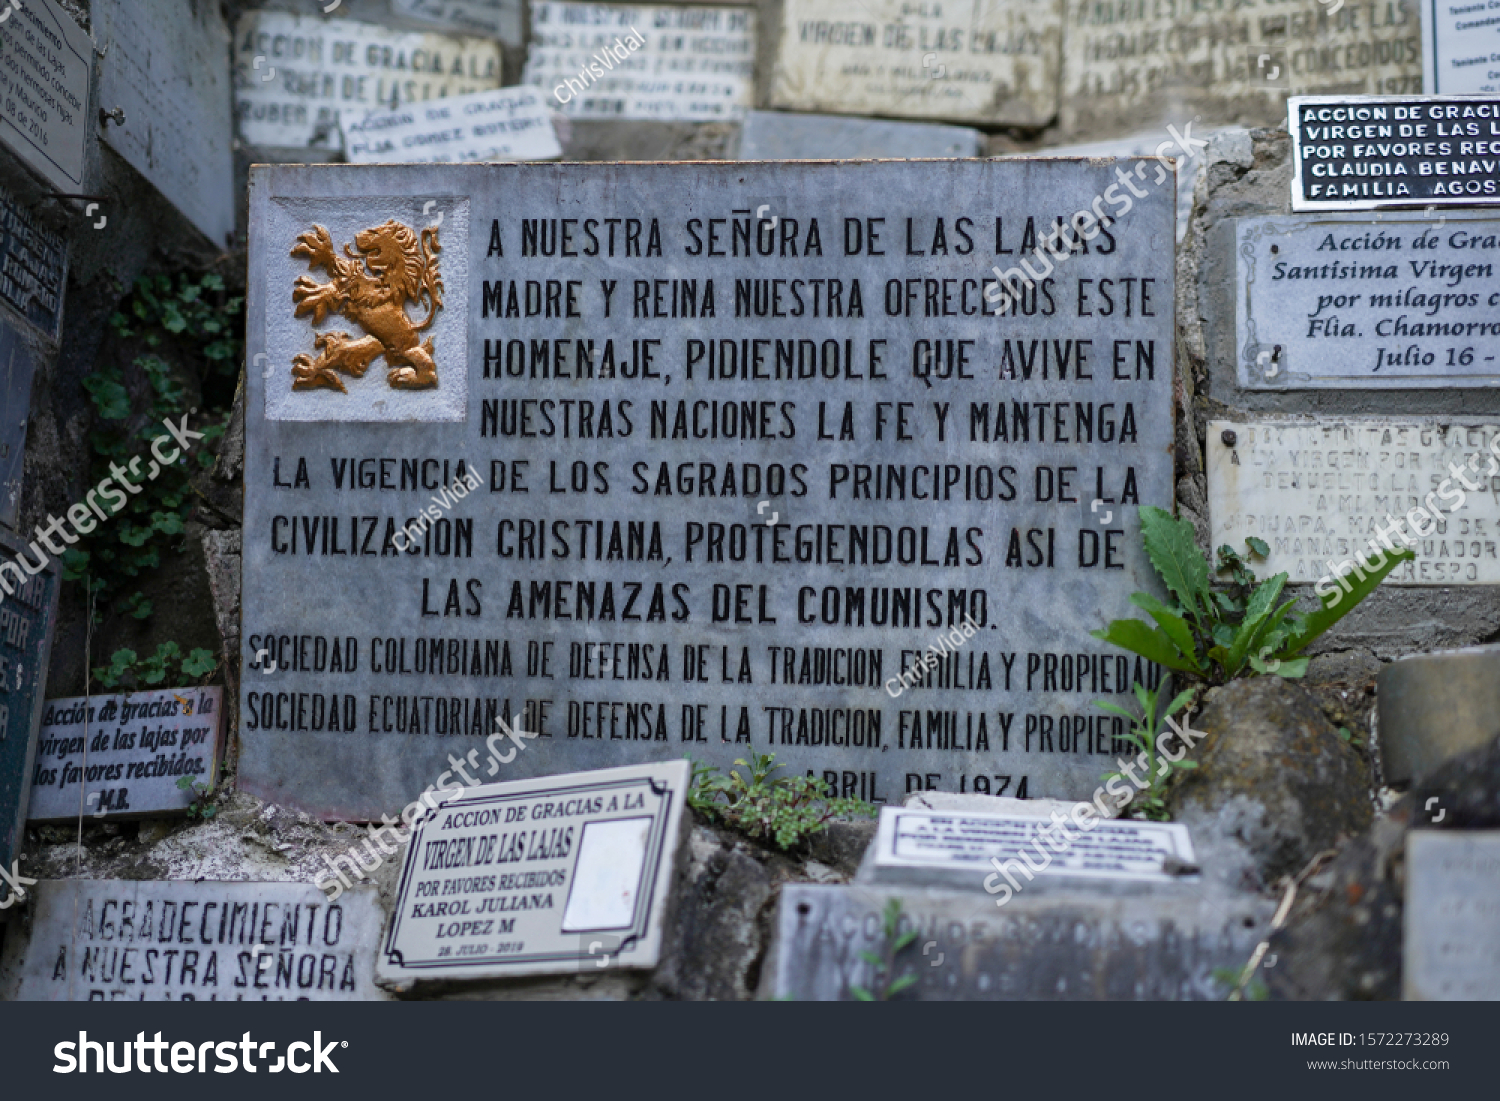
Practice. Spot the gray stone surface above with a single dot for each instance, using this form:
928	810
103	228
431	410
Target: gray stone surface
1031	732
1244	788
138	747
1458	50
168	71
46	60
490	18
538	877
1081	948
1331	300
1452	948
1436	706
975	62
789	136
959	849
1319	490
124	940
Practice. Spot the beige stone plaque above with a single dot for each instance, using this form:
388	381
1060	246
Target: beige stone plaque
994	61
1318	492
1130	62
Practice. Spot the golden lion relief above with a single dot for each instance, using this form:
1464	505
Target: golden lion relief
371	288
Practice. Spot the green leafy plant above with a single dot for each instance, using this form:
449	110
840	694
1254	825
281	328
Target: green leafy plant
200	807
1230	977
193	321
125	668
1150	801
1238	629
895	943
783	809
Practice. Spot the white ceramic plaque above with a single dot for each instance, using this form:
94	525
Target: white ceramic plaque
1355	301
602	61
992	61
547	876
1460	47
111	940
1452	919
138	747
295	75
45	61
954	842
490	18
1317	492
508	124
168	71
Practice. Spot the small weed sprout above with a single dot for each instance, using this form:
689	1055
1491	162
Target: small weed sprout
896	942
783	809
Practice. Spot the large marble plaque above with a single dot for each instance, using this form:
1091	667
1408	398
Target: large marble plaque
168	70
1460	47
1366	152
139	747
113	940
45	62
1452	919
1394	302
985	61
508	124
607	61
33	266
715	454
539	877
489	18
28	616
1319	492
1087	947
1168	61
295	75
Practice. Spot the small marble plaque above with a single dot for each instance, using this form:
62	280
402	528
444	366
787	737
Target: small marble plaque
1350	301
785	136
111	940
488	18
508	124
606	61
984	61
296	75
1366	152
167	69
1452	943
1460	47
28	615
1318	492
538	877
138	747
45	62
960	847
33	267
